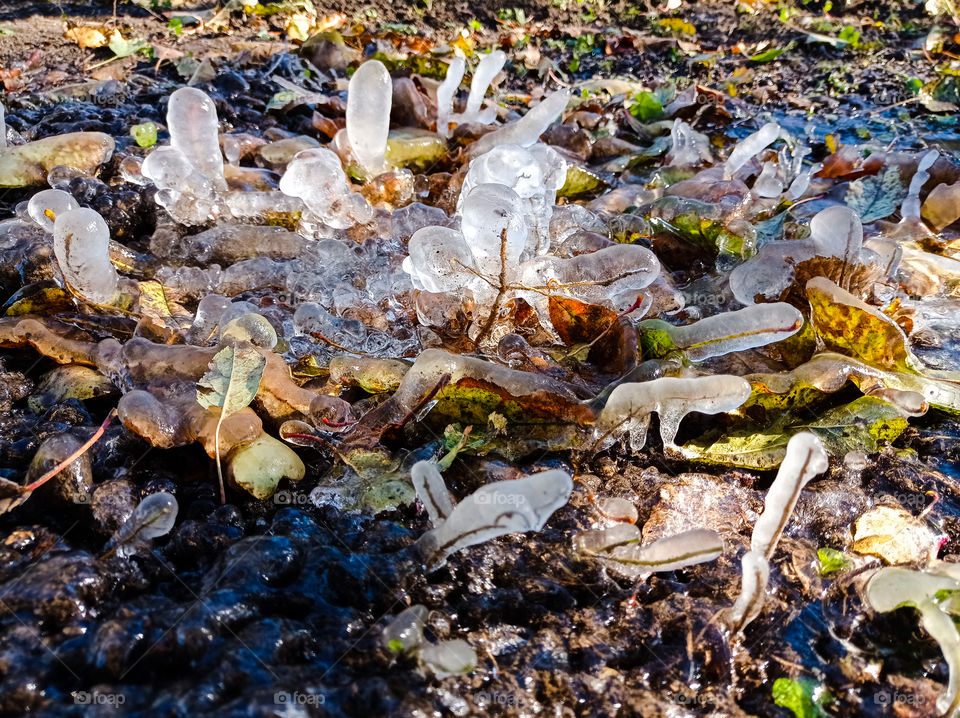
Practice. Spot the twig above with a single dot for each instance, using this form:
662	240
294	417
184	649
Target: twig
29	488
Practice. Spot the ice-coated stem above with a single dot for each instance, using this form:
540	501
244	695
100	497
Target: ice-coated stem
3	126
369	98
805	459
195	131
487	69
81	244
446	92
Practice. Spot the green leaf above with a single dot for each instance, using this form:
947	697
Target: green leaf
233	379
176	25
805	697
124	48
395	646
850	35
831	560
876	197
646	107
773	53
145	134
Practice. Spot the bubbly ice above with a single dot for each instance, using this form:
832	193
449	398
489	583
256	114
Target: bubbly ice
317	178
194	130
81	243
45	206
369	99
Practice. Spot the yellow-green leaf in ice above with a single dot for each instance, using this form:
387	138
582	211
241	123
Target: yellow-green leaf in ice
230	384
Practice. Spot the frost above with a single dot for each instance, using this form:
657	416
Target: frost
81	243
369	99
493	510
629	406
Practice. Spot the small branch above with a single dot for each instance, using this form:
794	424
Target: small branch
495	311
29	488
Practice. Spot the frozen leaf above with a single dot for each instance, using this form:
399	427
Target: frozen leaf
877	196
805	697
849	325
29	164
259	466
231	384
153	517
619	548
578	323
729	332
404	634
496	509
896	536
145	134
831	560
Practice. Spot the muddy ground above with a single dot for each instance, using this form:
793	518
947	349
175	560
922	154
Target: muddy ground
276	608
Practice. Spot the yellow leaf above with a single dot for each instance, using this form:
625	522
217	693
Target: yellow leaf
86	37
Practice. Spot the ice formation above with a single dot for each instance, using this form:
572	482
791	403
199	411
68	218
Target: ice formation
369	99
487	69
81	243
734	331
628	408
620	548
893	587
45	206
805	459
835	233
527	129
317	178
503	507
499	254
404	634
751	146
153	517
